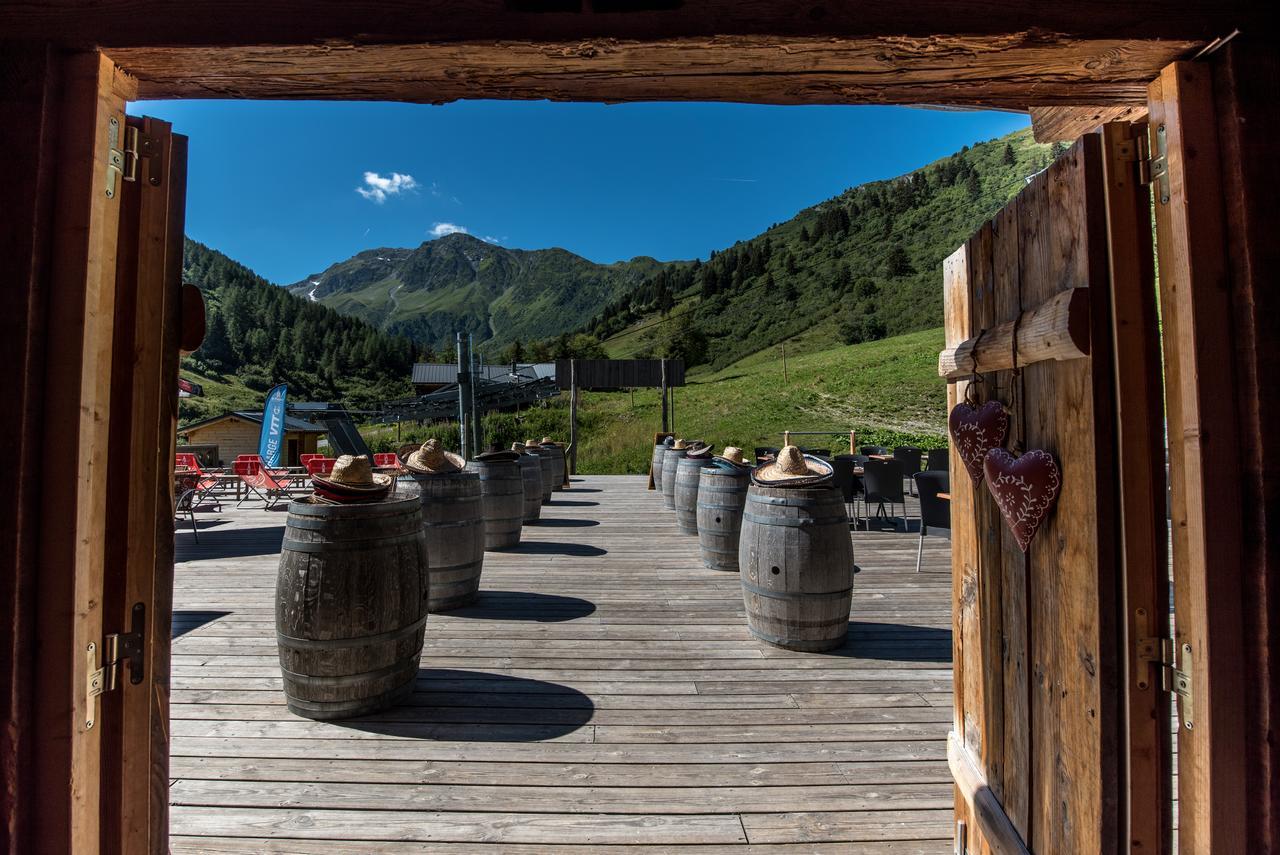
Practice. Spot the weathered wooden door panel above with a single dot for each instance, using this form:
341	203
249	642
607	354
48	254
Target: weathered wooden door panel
139	537
1039	736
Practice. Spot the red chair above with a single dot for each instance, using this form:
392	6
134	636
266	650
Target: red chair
201	483
319	465
260	482
387	460
303	458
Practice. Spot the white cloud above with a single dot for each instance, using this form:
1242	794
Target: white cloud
442	229
378	187
492	239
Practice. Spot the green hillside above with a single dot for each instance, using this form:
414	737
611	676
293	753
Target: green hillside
888	391
458	283
861	266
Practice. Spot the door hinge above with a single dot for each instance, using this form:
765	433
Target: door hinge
1161	653
115	157
1153	169
116	649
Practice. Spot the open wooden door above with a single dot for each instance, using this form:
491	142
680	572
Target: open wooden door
1052	733
138	593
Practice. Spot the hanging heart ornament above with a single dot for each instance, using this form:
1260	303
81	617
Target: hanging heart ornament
974	432
1025	488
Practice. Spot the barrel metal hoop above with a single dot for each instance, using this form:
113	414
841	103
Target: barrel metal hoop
794	523
349	545
360	640
456	524
795	595
310	523
449	500
787	502
344	679
797	644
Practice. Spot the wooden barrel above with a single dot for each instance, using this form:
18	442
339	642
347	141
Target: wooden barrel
722	492
454	524
670	462
796	564
559	471
351	605
685	494
501	501
531	481
547	465
655	466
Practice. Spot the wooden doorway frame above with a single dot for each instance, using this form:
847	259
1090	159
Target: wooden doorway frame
64	299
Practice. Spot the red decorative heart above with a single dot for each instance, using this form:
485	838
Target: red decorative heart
975	432
1025	489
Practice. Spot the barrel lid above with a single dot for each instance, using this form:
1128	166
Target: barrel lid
497	457
725	467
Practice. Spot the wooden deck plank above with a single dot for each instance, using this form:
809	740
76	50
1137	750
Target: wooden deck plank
604	692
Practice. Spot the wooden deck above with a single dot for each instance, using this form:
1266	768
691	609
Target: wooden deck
603	693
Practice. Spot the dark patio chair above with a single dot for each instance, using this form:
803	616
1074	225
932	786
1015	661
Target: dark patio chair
185	503
869	450
847	481
824	453
935	513
883	479
939	460
909	457
763	452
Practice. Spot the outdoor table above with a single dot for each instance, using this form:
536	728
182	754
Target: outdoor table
946	496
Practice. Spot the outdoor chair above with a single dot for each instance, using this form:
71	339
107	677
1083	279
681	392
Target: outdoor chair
824	453
883	479
763	452
935	513
186	504
201	482
939	460
266	484
847	481
870	450
303	458
320	465
909	457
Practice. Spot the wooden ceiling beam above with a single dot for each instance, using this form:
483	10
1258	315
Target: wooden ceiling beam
177	23
1055	124
1009	71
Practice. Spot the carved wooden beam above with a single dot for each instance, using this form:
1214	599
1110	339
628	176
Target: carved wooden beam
1056	329
993	823
1008	71
1064	124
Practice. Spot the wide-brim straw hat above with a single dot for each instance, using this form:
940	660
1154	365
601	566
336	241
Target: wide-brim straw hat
733	455
532	443
792	469
679	444
498	456
697	449
546	440
432	459
351	476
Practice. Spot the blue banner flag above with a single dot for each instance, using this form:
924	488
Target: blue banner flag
272	436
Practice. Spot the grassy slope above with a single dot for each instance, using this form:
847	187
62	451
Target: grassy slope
888	390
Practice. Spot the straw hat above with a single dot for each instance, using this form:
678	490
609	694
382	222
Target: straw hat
679	443
792	469
432	459
517	448
546	440
352	479
530	443
697	449
731	455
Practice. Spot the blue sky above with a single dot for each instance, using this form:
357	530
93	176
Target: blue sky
282	186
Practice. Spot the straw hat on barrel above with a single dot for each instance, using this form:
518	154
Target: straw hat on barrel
792	469
679	443
546	440
531	443
432	459
518	448
352	480
731	455
697	449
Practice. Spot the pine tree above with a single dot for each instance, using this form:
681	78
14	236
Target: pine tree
216	347
1007	158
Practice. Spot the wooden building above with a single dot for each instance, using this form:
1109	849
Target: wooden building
1063	654
237	433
